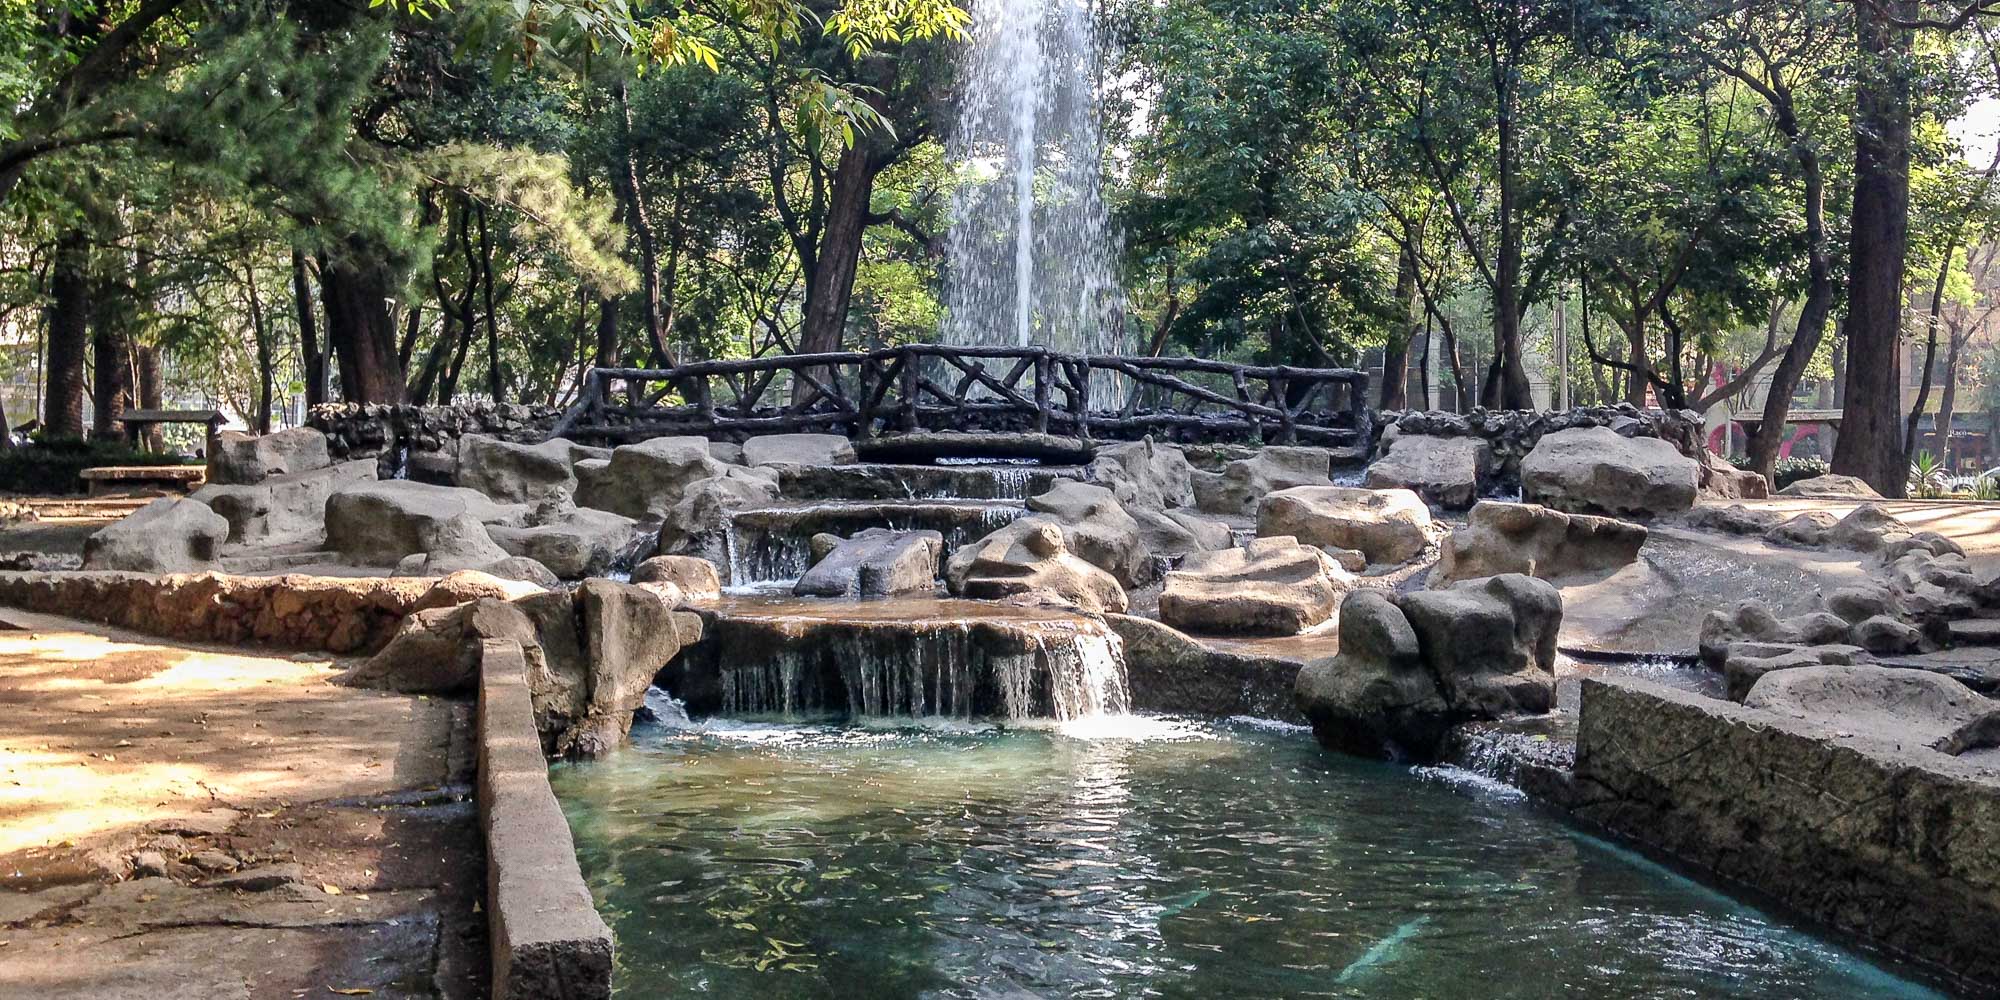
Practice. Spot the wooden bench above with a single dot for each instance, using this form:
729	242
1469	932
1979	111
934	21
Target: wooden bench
119	478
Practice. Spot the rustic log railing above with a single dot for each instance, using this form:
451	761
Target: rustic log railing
928	387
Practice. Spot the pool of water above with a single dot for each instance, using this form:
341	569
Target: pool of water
1133	858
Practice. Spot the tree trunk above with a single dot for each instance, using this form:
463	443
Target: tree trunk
1948	400
1396	349
111	369
1811	329
606	355
496	386
69	335
361	334
1870	443
831	286
152	389
639	215
1932	322
311	355
266	378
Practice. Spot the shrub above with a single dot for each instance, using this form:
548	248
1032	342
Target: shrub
1791	470
52	467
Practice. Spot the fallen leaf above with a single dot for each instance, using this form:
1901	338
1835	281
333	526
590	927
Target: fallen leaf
354	991
329	888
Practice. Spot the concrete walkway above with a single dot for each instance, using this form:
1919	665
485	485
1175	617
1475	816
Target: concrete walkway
183	821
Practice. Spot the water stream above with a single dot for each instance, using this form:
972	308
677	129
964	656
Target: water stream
1177	859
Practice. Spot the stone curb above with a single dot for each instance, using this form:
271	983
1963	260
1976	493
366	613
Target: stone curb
547	938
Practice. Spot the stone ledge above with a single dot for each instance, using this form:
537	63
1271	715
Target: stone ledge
335	614
547	938
1896	844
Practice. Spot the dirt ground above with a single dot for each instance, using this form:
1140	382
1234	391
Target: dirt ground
186	821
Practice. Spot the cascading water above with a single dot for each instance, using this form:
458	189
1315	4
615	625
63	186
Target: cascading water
1060	670
1030	254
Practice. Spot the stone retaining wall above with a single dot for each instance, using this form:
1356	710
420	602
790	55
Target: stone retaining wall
547	938
1514	433
1898	845
335	614
394	432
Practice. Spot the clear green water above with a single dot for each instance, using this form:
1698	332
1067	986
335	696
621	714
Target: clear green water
1210	860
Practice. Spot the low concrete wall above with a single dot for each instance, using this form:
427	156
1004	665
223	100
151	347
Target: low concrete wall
335	614
548	941
1898	845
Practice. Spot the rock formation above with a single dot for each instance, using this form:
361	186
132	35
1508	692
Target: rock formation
873	563
1033	565
1242	483
1524	538
1272	586
1388	526
1449	472
1413	665
1596	471
169	535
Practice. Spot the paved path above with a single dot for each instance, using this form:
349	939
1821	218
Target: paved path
136	775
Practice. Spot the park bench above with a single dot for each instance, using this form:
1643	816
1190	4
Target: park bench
106	479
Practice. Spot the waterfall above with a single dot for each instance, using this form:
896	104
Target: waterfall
1030	252
1051	669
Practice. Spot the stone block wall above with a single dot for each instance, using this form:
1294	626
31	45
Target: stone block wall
395	434
1514	433
1896	844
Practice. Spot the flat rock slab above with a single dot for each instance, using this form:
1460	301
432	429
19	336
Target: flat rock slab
1976	632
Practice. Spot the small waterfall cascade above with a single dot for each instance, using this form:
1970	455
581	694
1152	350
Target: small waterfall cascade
1029	258
1062	670
767	546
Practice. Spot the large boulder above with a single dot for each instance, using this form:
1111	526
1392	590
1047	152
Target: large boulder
1447	471
1172	535
381	523
877	562
1595	470
601	647
697	523
1374	697
284	508
573	542
169	535
1831	488
645	480
242	459
798	449
1491	643
1539	542
1032	566
1272	586
436	651
1388	526
520	473
693	576
1144	475
1242	483
1722	481
1096	527
1411	667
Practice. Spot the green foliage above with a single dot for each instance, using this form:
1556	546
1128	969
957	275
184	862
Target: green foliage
1927	476
1790	470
